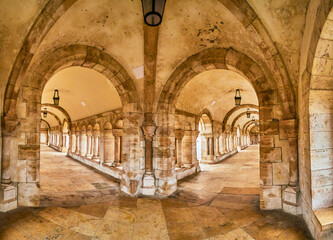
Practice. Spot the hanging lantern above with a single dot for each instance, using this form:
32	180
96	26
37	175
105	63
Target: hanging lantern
248	114
253	120
153	11
44	113
56	97
238	97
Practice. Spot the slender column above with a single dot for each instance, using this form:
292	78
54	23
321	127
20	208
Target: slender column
83	147
217	144
88	154
117	133
211	145
95	146
77	145
179	134
195	160
149	132
108	146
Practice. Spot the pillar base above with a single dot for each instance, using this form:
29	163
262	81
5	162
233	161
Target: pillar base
8	197
290	198
148	184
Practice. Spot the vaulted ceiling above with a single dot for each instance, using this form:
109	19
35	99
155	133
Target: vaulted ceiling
188	27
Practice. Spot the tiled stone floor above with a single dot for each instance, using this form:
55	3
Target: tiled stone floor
66	182
222	202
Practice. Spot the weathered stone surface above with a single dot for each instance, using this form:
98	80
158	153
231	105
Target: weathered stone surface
270	154
29	152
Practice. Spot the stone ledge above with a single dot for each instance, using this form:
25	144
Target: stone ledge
184	172
104	168
325	218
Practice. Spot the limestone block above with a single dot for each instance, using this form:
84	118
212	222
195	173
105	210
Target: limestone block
270	197
321	101
323	66
167	186
29	152
21	110
321	159
321	122
28	194
269	127
270	154
19	172
321	140
267	141
322	177
8	197
266	174
32	171
322	82
322	197
280	173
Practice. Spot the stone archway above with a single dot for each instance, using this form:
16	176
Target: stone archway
26	92
278	151
315	129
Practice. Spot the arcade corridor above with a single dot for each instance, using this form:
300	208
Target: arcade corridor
221	202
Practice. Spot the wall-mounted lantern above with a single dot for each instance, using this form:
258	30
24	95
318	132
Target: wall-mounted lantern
56	97
153	11
44	113
248	114
238	97
253	120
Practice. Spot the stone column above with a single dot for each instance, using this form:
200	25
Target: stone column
195	160
95	146
148	183
77	145
108	146
179	134
217	144
89	136
187	149
117	133
83	147
8	192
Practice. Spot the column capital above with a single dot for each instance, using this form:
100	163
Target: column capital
149	130
206	135
179	134
195	133
117	132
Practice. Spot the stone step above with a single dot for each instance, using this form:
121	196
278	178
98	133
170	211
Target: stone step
325	218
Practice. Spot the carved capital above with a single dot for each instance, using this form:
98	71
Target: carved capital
117	132
149	131
179	134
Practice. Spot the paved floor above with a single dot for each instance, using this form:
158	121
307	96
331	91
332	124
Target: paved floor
221	202
66	182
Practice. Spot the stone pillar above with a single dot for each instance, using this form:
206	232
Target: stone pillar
216	144
117	133
95	146
83	147
89	152
108	146
179	134
148	182
77	145
195	160
8	192
187	149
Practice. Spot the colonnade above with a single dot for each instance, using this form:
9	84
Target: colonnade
102	146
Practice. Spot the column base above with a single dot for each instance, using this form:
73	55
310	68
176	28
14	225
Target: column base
148	184
8	197
290	200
